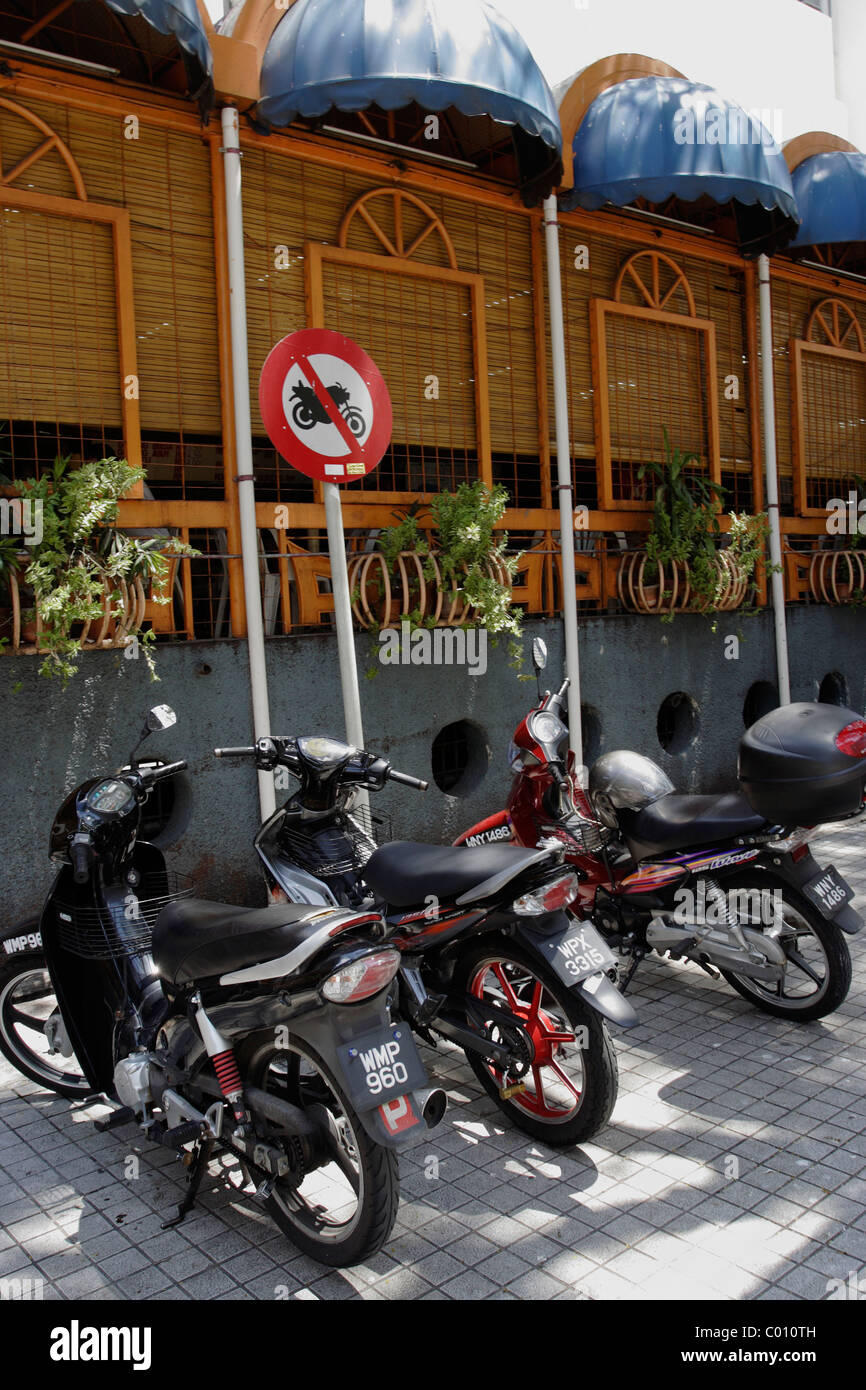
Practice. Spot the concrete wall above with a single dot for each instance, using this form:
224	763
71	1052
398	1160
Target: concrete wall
50	740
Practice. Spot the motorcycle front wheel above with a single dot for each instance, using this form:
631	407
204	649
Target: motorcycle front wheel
344	1211
569	1076
27	1003
818	974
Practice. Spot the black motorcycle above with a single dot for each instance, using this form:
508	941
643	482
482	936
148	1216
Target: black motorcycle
308	410
489	960
262	1032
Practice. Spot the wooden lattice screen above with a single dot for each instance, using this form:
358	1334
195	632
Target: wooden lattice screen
654	369
828	405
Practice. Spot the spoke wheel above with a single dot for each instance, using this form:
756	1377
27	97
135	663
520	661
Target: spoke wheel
343	1211
566	1063
818	972
27	1002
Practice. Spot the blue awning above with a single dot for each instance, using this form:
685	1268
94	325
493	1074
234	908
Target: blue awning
351	54
831	195
662	137
180	18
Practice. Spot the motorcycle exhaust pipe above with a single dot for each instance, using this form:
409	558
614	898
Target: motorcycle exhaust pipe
432	1103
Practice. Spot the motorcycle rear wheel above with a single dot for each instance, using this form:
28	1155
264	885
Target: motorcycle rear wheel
812	944
27	1001
343	1212
557	1107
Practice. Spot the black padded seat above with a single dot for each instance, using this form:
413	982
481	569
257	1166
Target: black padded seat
195	939
677	822
403	873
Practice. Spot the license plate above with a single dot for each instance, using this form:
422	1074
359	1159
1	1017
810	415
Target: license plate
829	891
575	953
382	1065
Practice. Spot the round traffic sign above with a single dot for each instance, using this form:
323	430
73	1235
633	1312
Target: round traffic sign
325	405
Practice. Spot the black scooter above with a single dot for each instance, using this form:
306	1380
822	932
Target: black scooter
489	960
263	1032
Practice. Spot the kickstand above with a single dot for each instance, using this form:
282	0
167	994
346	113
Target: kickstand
637	956
197	1169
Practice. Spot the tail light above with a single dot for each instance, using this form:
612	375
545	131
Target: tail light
362	978
548	897
852	739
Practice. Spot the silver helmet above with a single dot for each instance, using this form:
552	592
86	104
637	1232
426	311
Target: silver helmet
624	781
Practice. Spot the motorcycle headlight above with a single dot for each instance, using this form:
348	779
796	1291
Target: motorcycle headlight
362	978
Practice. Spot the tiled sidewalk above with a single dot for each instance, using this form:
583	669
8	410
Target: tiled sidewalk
735	1167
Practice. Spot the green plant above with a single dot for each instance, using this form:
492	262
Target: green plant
81	556
685	528
469	553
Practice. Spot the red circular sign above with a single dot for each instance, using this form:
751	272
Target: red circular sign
325	405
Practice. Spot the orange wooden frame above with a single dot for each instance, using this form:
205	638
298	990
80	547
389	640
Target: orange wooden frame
317	255
798	347
119	221
599	311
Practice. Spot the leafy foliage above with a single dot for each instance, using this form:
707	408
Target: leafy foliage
81	556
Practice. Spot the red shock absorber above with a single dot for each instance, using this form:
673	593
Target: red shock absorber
228	1075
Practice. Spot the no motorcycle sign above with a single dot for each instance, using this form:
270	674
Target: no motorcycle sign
325	405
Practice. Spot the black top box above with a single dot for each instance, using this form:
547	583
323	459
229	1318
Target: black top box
804	764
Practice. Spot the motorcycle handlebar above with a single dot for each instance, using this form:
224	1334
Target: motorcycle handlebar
81	854
407	781
234	752
158	773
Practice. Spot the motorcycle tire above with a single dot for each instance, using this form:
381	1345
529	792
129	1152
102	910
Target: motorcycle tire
827	953
563	1029
26	1001
296	1073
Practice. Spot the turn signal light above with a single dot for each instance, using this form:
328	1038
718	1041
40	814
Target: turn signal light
362	978
548	897
852	739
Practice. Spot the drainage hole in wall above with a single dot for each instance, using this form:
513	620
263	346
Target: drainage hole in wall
760	699
460	757
833	689
677	723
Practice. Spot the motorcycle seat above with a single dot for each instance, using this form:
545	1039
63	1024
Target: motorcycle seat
678	822
194	939
404	873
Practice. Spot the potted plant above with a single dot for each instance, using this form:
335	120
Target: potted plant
461	577
688	562
87	577
838	575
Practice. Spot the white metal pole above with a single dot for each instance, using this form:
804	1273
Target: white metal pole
244	446
343	616
563	473
769	416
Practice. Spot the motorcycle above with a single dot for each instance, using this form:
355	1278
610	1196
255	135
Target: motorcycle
263	1033
488	960
308	410
726	881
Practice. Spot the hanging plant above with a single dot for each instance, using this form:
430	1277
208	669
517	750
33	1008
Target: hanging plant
83	569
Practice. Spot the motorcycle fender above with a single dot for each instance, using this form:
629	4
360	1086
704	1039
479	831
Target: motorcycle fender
803	871
576	952
378	1064
495	830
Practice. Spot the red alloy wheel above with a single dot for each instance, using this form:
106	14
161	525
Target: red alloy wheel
553	1095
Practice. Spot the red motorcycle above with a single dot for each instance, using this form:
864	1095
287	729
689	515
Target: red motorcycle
727	880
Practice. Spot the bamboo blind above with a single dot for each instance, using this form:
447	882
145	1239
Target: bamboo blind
163	178
58	328
834	415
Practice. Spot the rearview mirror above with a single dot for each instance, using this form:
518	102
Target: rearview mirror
160	717
539	653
